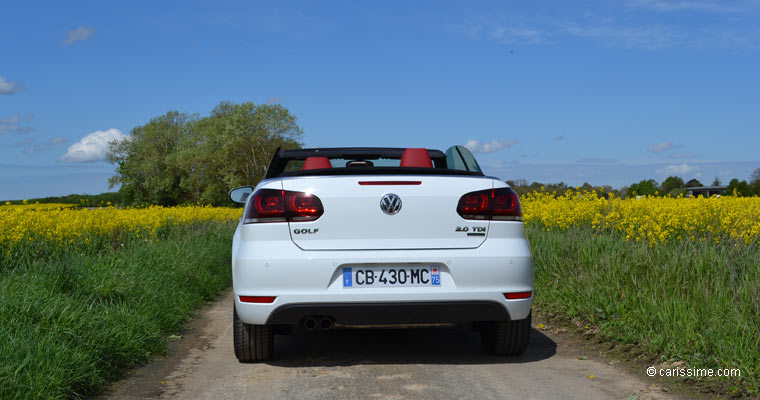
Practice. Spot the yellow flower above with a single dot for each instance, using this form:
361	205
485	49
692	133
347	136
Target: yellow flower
649	219
66	224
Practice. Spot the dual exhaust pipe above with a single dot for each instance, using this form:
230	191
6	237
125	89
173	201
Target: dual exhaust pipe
312	323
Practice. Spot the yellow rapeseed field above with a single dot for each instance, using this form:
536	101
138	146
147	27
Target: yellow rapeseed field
649	219
63	225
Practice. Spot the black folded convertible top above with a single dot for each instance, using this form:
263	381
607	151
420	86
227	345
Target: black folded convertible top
282	157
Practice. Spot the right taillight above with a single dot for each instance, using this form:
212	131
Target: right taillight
491	204
272	205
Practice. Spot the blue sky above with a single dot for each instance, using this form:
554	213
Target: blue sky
604	92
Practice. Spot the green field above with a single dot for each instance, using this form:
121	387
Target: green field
697	302
71	322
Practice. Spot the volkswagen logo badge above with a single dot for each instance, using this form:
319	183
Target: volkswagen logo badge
390	204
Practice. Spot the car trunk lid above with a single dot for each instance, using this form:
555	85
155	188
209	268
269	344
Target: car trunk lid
360	212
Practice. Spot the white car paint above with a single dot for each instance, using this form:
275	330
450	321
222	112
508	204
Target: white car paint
269	259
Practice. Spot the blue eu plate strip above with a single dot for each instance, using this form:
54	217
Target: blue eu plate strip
346	277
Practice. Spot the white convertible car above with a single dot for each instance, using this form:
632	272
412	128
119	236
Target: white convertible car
337	237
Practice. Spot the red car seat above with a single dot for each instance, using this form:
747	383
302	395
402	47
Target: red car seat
316	163
416	158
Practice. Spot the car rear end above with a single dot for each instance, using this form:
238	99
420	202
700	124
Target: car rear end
319	251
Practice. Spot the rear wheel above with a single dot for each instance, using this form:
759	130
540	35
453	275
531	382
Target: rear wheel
506	337
252	342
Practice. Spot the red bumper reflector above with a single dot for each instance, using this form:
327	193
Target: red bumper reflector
257	299
518	295
377	183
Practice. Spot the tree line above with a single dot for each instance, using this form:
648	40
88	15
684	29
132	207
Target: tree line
522	187
672	186
83	200
178	158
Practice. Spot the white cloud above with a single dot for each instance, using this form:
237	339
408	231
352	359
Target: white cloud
737	38
25	142
684	5
660	147
8	87
646	37
12	124
477	146
511	34
678	169
57	140
274	100
33	147
92	147
502	33
9	124
78	34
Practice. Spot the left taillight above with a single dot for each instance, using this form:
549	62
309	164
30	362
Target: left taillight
491	204
272	205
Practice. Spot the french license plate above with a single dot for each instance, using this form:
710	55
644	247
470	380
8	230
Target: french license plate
354	277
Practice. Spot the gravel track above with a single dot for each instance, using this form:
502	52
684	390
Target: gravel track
442	363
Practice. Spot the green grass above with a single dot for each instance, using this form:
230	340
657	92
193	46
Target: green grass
70	322
693	302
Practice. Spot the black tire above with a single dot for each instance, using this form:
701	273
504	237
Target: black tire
252	342
508	338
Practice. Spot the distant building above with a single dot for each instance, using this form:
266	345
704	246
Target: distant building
705	191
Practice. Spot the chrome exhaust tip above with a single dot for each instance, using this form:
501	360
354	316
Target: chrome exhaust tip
310	323
326	323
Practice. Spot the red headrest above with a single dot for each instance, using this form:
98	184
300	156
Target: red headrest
316	163
416	158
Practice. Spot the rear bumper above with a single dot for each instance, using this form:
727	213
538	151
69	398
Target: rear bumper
392	313
473	282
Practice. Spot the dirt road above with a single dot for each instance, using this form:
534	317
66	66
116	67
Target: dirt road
447	363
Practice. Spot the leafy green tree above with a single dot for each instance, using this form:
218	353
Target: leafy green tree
146	161
518	182
738	188
647	187
671	184
177	158
754	181
693	183
716	182
233	146
586	187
